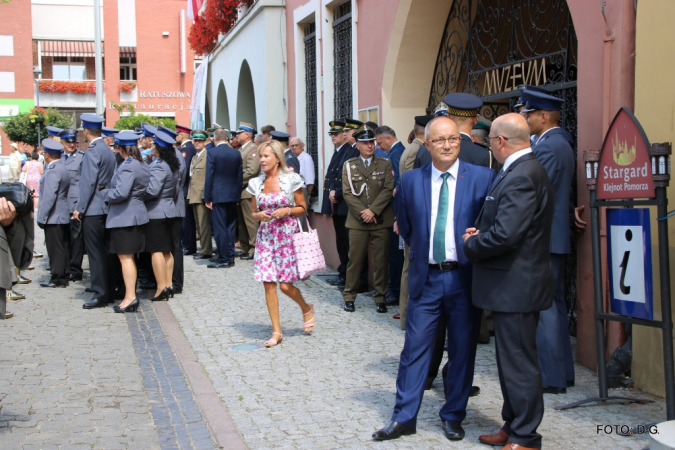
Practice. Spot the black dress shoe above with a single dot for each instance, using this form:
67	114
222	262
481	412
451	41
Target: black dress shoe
73	277
177	290
336	281
475	390
246	257
393	431
54	285
95	303
570	383
188	253
429	383
89	290
554	390
453	430
201	256
238	253
214	258
381	308
221	265
349	307
391	300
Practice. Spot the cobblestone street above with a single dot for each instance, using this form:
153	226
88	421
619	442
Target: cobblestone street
72	378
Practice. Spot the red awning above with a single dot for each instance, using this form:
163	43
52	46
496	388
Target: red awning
68	48
127	52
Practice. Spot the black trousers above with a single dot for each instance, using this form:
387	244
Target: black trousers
189	233
177	252
342	243
96	242
76	254
224	222
519	376
56	237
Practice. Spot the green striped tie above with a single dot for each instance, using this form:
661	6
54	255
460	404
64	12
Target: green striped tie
441	219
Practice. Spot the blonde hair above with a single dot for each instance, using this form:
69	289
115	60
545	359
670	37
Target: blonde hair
278	151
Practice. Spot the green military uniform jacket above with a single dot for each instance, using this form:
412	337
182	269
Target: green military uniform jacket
370	188
250	162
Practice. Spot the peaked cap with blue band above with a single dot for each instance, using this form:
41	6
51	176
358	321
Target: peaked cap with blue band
164	139
53	131
539	101
148	130
126	137
68	135
109	132
244	126
51	146
92	121
166	130
522	100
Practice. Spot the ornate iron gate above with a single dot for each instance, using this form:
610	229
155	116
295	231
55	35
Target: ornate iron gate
312	146
342	54
489	47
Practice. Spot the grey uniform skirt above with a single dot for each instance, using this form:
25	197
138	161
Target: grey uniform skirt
127	240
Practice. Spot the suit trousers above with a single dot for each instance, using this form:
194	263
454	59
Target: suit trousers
188	233
553	334
3	303
443	295
224	220
519	376
203	223
342	243
403	296
56	238
76	246
358	254
247	227
96	243
177	251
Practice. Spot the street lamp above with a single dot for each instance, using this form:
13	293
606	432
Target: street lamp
37	73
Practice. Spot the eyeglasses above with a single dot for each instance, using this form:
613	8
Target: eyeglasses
498	136
453	140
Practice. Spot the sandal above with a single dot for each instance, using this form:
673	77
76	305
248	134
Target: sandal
273	342
309	325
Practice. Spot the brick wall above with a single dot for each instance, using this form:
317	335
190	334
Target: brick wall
47	66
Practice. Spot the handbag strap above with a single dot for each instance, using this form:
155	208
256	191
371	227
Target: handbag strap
297	218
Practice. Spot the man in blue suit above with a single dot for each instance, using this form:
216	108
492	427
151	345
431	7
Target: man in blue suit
222	192
552	147
434	206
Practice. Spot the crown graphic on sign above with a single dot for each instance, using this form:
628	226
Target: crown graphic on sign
623	155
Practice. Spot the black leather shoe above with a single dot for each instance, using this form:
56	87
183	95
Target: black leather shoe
453	430
220	265
381	308
188	253
570	383
89	290
177	290
53	285
429	383
201	256
238	253
349	307
246	257
554	390
95	303
391	300
213	258
73	277
336	281
475	390
393	431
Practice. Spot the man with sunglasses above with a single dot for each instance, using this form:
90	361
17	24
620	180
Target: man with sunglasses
72	160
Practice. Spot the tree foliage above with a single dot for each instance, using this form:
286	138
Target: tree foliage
133	121
24	127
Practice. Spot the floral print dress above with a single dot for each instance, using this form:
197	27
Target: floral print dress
275	259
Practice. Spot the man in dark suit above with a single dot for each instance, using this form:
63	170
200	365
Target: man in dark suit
434	207
96	171
222	192
554	151
333	203
292	161
189	234
512	277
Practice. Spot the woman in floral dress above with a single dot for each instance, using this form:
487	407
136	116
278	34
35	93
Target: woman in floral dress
33	170
277	199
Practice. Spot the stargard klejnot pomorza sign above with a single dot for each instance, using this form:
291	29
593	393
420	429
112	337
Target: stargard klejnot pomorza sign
625	169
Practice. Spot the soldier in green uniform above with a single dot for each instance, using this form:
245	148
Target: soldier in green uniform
367	185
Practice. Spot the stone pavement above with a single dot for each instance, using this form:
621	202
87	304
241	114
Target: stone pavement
332	389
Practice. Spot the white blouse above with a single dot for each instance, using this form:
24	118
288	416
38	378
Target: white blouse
288	182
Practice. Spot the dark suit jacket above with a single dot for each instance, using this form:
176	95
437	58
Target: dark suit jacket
468	152
413	200
333	181
224	175
188	151
555	153
510	255
292	161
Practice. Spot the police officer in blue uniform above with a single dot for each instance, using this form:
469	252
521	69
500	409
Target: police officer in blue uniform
146	277
108	135
54	213
291	160
127	215
189	233
53	131
177	228
552	147
160	202
72	160
98	165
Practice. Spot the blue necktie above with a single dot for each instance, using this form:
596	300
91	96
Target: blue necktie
500	175
441	221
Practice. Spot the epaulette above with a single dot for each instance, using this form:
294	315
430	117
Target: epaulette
127	161
382	158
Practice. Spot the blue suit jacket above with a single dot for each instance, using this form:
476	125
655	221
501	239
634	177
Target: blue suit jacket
224	175
413	200
555	153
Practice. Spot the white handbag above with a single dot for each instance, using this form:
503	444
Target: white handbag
308	252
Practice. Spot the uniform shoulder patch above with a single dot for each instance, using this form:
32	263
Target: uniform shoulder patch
127	161
254	154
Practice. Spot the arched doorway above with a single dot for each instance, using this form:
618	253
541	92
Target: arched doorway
490	47
222	107
246	96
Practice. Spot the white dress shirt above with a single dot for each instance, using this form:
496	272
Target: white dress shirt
306	168
436	183
367	162
511	158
